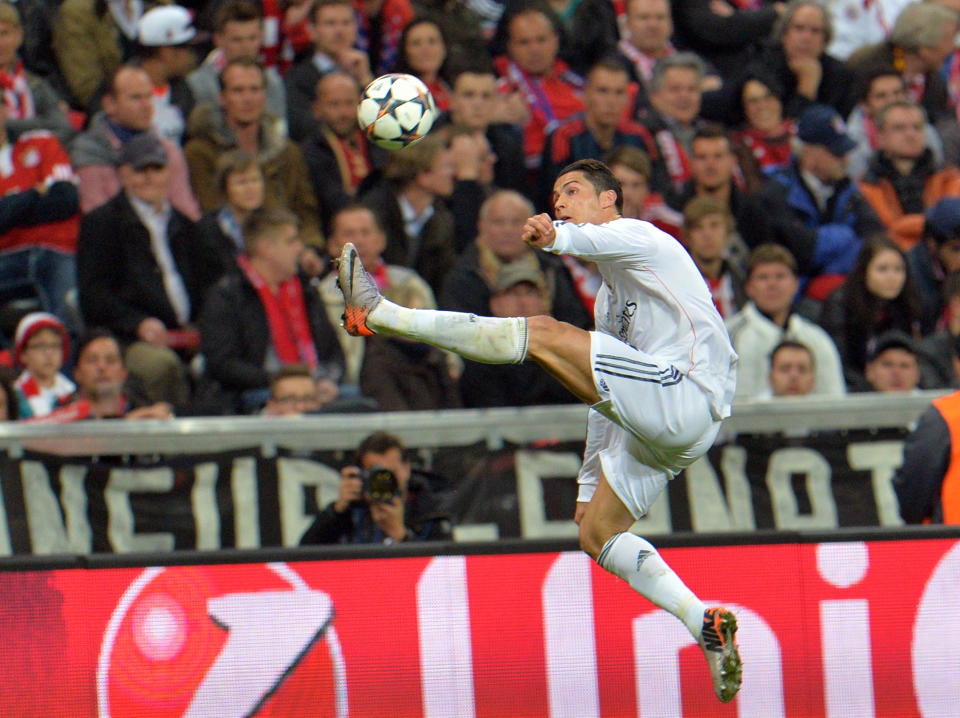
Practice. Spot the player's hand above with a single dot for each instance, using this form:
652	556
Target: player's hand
389	517
538	231
351	488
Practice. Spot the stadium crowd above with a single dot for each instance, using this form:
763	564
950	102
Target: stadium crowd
176	181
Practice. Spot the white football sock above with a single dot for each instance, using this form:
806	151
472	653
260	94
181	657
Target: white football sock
637	562
492	340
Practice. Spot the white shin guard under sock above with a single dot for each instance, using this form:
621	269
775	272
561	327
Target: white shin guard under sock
492	340
637	562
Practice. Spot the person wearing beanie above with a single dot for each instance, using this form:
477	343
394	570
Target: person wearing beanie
41	347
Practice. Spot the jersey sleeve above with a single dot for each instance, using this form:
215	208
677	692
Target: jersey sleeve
634	240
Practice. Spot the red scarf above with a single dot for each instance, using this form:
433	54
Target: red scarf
286	315
16	93
674	157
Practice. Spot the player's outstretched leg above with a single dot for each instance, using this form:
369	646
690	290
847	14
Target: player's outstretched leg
492	340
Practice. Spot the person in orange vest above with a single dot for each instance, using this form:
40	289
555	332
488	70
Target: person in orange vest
928	481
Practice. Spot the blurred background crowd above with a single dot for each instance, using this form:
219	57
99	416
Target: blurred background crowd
177	179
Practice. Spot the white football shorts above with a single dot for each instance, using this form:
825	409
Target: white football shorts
661	424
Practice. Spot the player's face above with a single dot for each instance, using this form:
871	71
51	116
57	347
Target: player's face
575	200
606	97
472	99
708	240
772	287
762	108
499	227
791	372
805	35
533	43
895	369
886	274
679	95
650	25
240	39
712	162
635	189
902	134
336	104
245	189
334	29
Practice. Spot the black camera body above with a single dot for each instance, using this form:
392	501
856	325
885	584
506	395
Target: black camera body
380	484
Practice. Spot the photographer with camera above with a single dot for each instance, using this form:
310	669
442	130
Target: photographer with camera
382	499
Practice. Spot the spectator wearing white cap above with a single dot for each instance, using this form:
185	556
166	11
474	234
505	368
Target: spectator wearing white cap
165	38
41	347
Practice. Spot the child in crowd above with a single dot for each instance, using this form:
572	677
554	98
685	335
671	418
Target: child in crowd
41	347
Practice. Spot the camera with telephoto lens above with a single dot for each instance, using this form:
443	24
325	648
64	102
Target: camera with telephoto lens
380	484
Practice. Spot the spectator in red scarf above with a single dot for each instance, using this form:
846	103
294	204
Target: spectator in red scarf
32	104
423	52
265	316
766	133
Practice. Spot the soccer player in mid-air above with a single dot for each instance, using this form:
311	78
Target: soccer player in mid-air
659	373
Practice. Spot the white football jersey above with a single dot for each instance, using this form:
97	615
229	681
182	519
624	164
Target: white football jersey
655	299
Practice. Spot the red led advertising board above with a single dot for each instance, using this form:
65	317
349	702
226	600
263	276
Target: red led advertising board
847	629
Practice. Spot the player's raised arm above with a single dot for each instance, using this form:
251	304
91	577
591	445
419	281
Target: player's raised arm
538	231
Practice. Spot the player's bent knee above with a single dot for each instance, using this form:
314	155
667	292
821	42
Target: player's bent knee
591	537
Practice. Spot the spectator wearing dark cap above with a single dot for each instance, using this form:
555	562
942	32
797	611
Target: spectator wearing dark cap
165	39
935	257
892	363
520	290
138	270
928	480
127	112
815	209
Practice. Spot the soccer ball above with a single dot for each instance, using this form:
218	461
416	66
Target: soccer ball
396	110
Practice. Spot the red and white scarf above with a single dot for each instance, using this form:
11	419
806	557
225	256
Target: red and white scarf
643	62
674	157
17	94
36	400
287	316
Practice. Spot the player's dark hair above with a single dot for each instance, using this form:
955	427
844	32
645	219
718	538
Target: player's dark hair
599	176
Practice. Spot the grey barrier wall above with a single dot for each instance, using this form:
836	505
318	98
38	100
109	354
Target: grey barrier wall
251	482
